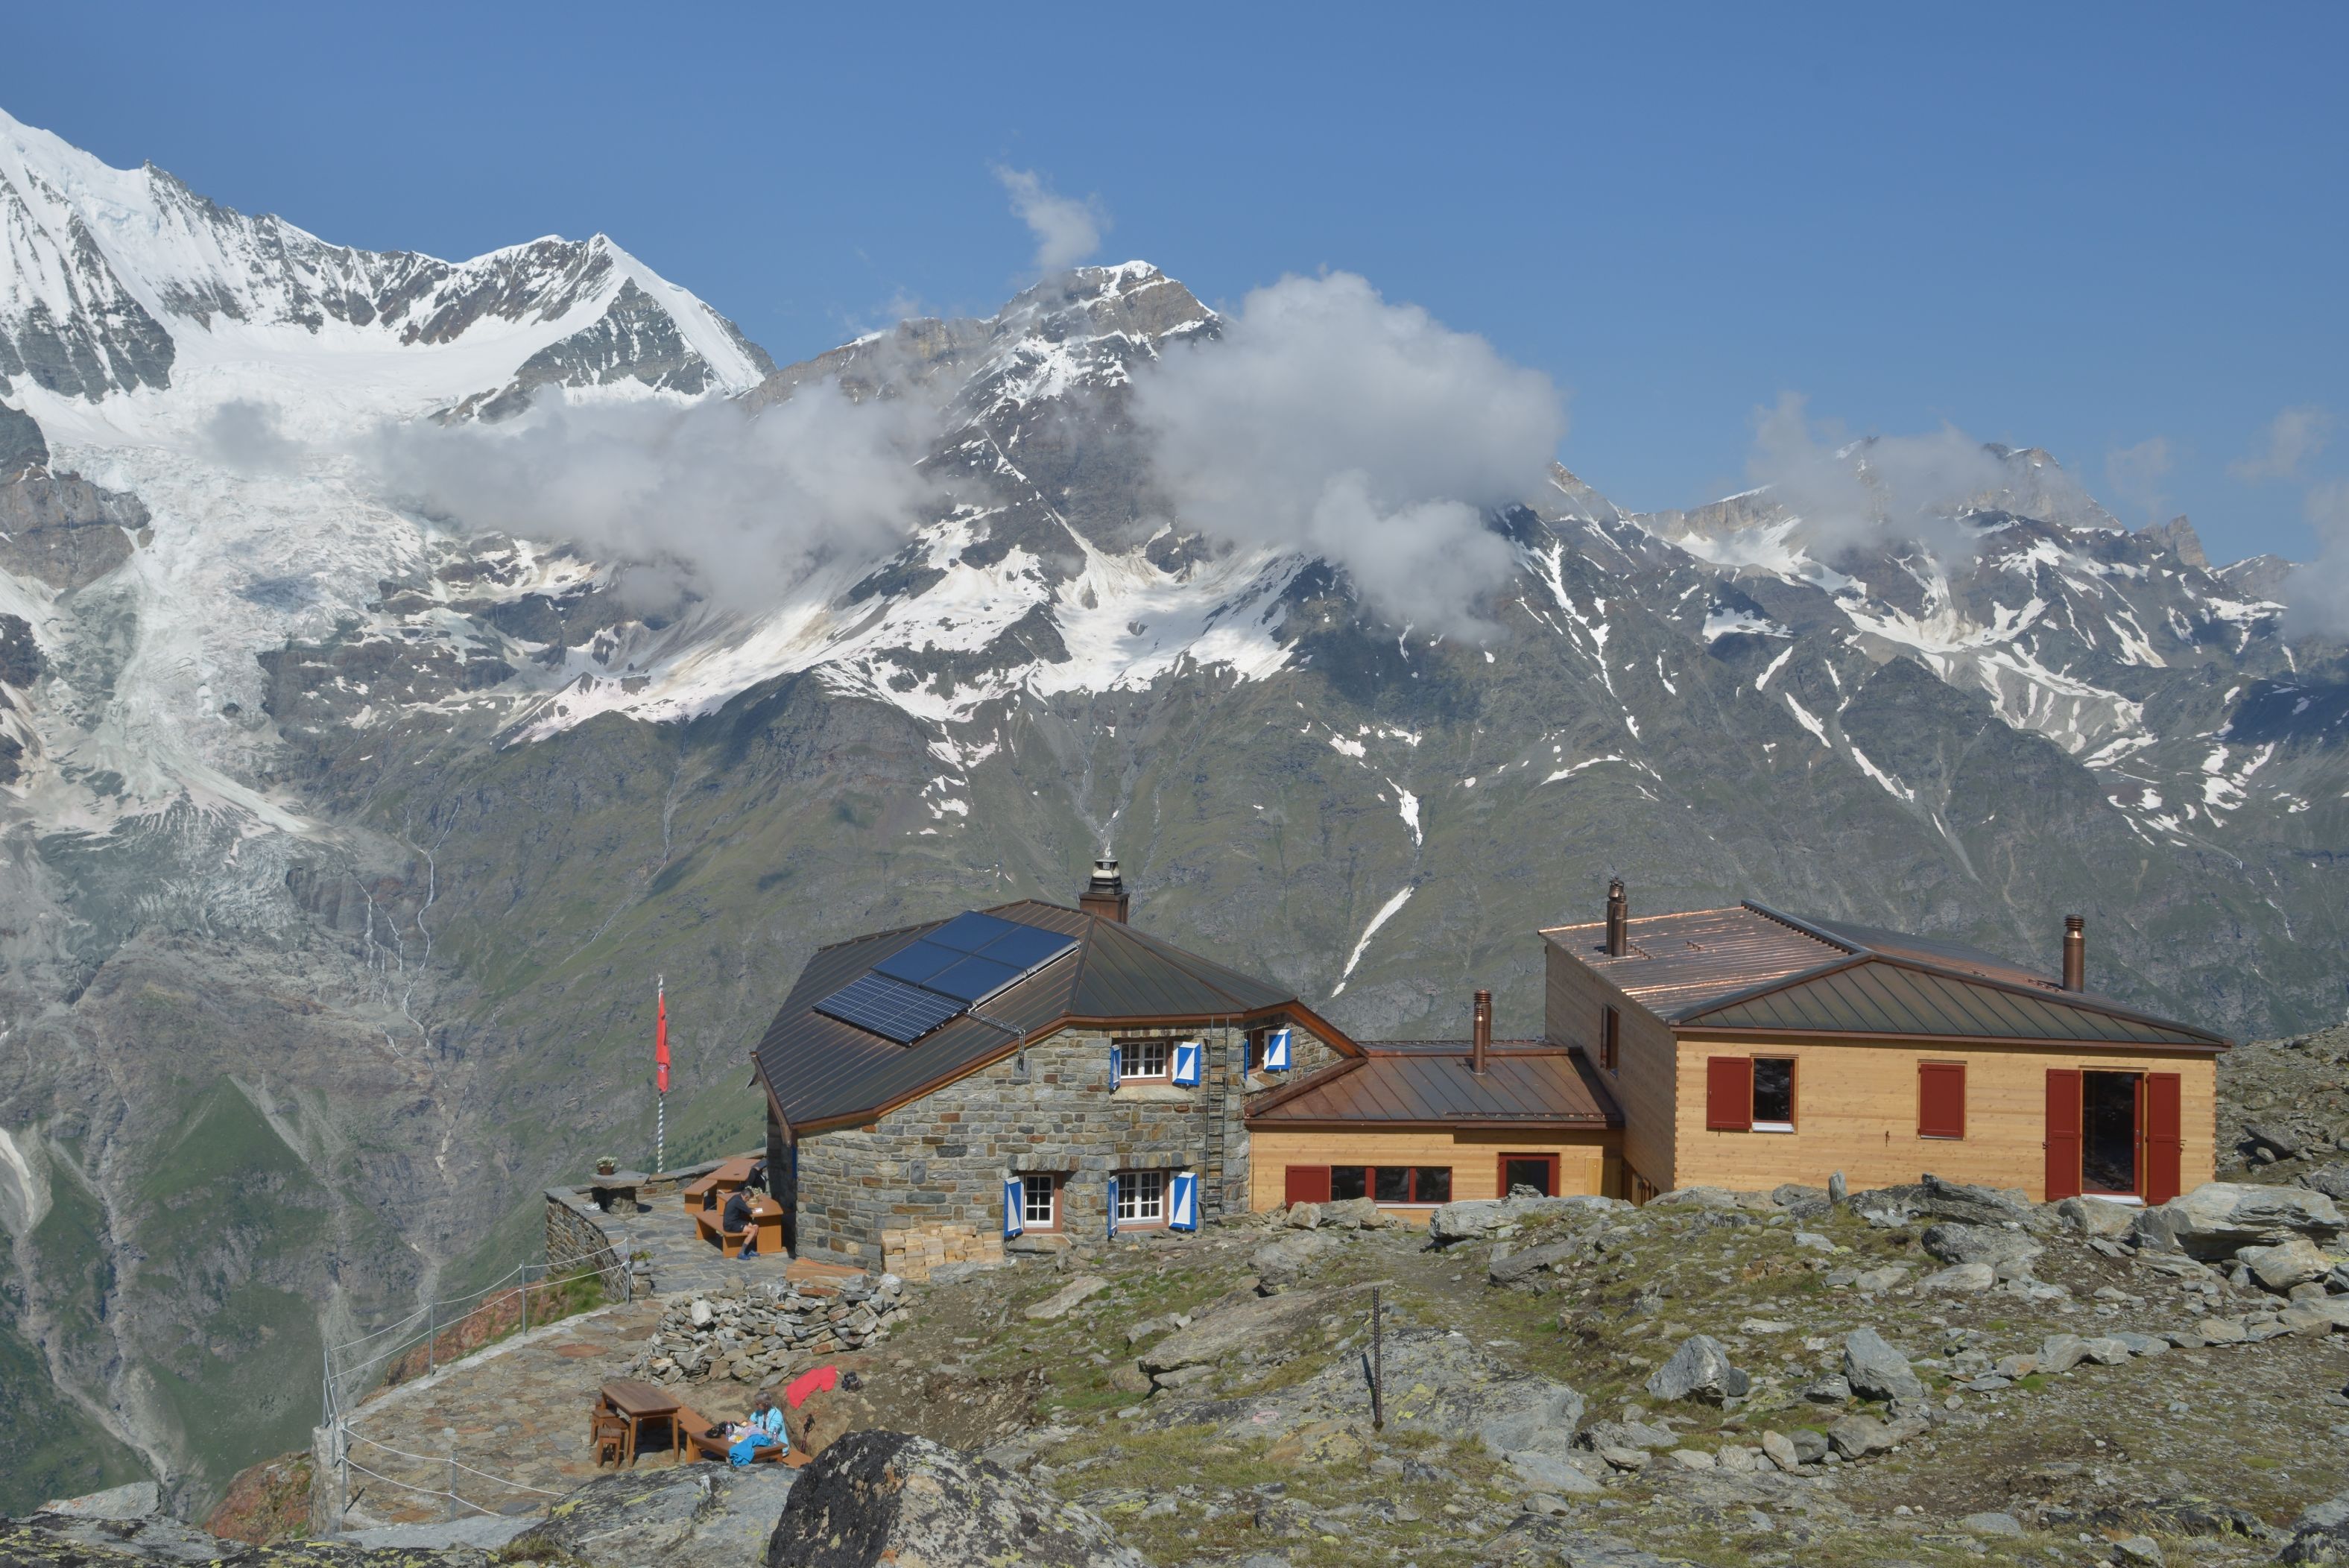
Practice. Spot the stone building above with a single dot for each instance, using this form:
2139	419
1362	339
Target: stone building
1029	1070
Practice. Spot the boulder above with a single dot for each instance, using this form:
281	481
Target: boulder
2218	1218
2285	1264
1532	1260
2095	1217
1248	1325
1933	1198
135	1499
1473	1217
1699	1370
1058	1303
1810	1446
1992	1524
2333	1180
827	1415
693	1516
1279	1262
1355	1214
1551	1474
887	1496
1780	1450
2320	1534
1857	1437
1960	1277
1876	1370
2325	1315
1304	1216
1954	1241
2062	1352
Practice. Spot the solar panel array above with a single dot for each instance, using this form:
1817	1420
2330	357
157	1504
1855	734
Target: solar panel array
943	975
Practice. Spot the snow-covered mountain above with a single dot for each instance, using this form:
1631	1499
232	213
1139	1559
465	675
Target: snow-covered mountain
344	840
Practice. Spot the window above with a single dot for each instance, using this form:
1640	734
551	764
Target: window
1142	1058
1537	1171
1941	1099
1390	1184
1141	1197
1610	1035
1749	1094
1039	1201
1773	1094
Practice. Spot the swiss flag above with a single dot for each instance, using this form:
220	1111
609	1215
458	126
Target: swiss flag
660	1043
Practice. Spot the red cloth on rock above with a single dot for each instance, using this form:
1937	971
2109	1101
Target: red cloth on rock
820	1379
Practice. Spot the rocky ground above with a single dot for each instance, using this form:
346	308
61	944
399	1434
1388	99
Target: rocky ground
2283	1108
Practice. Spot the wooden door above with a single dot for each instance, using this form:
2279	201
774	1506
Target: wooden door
2063	1143
2164	1135
1307	1185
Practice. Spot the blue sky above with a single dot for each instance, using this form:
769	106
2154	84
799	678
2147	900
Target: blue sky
2087	228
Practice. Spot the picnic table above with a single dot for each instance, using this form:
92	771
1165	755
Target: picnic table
724	1180
766	1227
637	1403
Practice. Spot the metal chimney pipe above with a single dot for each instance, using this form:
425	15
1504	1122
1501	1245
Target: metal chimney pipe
1618	917
1481	1039
2075	954
1105	897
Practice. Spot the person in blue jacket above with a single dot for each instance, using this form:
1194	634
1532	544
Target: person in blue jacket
764	1429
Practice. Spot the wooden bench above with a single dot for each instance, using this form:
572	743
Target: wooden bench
698	1426
766	1225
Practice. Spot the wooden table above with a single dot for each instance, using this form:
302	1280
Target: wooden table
640	1402
724	1180
606	1189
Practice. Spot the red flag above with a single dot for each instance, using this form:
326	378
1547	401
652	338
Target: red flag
660	1043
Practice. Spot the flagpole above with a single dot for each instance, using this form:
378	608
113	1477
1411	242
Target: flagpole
660	1058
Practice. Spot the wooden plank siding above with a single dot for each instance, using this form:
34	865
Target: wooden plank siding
1856	1111
1588	1162
1644	1081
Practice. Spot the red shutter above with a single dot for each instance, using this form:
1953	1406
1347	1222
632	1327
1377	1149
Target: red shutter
1308	1184
2063	1143
1728	1094
1941	1099
2164	1135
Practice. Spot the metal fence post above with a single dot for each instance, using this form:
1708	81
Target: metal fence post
431	1333
1377	1366
525	1296
452	1485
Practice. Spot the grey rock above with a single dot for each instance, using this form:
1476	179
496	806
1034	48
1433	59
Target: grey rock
1876	1370
1829	1390
1532	1260
1960	1278
1838	1188
1699	1370
2143	1343
2333	1180
89	1541
1692	1458
485	1531
2286	1263
1354	1214
1473	1217
1992	1523
1281	1262
885	1497
2219	1218
1304	1216
2329	1315
2095	1217
1551	1474
1779	1449
1810	1447
2222	1330
1624	1458
1803	1202
2062	1352
694	1516
2105	1351
135	1499
1856	1436
1250	1323
1954	1241
1058	1303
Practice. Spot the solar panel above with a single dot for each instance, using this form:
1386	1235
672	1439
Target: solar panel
889	1008
943	973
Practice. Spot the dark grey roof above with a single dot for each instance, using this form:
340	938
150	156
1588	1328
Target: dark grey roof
823	1071
1752	967
1428	1082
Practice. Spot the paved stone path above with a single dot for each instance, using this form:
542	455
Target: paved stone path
681	1259
516	1414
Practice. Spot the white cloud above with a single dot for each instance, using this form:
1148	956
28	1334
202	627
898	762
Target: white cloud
1326	420
2135	473
1876	490
2316	596
1067	231
2294	436
738	506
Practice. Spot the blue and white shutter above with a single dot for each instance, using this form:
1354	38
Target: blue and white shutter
1187	1064
1276	1050
1015	1206
1183	1202
1113	1208
1113	1066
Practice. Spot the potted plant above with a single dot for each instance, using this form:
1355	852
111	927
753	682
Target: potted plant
606	1165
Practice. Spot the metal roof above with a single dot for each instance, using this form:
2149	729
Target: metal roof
1755	968
822	1071
1423	1083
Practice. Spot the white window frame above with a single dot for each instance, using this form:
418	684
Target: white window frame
1141	1198
1033	1215
1133	1057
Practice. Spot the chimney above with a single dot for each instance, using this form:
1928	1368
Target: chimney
1105	895
1618	916
2075	954
1481	1037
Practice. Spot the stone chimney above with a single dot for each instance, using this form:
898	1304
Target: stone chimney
1480	1039
2075	953
1105	895
1619	920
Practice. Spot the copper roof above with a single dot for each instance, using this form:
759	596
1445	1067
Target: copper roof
1755	968
1427	1083
824	1072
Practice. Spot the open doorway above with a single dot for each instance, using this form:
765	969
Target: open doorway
2109	1118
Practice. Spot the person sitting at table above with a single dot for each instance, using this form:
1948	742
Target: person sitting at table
738	1218
764	1429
